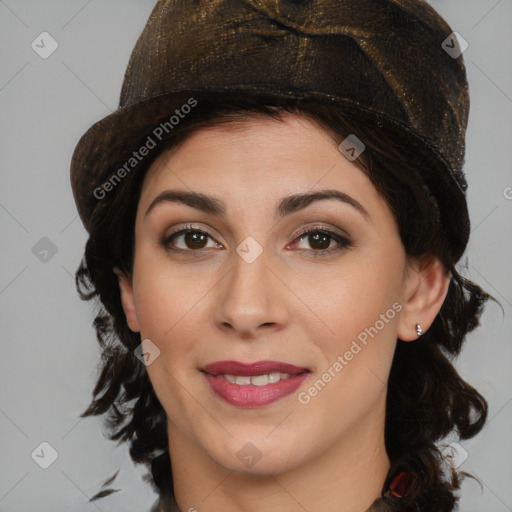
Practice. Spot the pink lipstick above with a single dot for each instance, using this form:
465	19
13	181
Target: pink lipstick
254	385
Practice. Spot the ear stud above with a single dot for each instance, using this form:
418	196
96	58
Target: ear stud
419	330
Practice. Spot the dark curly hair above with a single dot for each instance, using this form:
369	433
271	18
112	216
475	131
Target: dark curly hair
427	399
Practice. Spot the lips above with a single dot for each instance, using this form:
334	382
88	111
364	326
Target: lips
251	394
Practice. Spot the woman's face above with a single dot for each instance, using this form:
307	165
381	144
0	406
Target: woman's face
247	285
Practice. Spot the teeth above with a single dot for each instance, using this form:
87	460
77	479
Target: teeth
276	377
257	380
260	380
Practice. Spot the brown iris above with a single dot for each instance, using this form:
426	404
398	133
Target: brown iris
319	239
194	239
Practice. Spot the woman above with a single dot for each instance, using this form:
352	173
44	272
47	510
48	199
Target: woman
275	213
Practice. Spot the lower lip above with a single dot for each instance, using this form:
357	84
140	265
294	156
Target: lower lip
248	395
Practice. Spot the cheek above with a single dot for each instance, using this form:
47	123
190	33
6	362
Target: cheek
355	354
172	313
359	312
165	301
353	298
168	310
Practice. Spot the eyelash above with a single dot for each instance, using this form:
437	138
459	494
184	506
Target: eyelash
344	242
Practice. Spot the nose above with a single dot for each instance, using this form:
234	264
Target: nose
251	299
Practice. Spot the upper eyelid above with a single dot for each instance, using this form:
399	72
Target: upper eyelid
322	228
317	226
302	233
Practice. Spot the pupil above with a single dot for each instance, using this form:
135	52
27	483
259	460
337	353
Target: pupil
319	236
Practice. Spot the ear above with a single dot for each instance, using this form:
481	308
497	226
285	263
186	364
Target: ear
426	288
127	300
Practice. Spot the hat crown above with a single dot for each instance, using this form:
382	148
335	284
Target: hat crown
383	55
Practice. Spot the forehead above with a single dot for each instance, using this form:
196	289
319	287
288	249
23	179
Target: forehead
258	150
241	132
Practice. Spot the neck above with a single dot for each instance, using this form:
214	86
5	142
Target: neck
348	475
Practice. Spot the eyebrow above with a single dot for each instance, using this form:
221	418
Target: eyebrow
287	205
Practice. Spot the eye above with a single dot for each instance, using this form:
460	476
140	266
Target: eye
194	239
320	239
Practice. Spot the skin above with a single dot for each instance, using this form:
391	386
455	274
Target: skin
287	306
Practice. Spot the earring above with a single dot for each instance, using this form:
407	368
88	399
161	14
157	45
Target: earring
419	330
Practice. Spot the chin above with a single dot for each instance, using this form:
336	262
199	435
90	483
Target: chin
257	455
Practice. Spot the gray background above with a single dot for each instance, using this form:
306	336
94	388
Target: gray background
49	356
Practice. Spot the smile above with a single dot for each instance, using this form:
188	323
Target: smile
253	385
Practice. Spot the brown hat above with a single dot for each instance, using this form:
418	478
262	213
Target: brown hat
384	60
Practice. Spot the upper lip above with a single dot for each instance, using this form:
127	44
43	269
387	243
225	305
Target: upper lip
250	370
